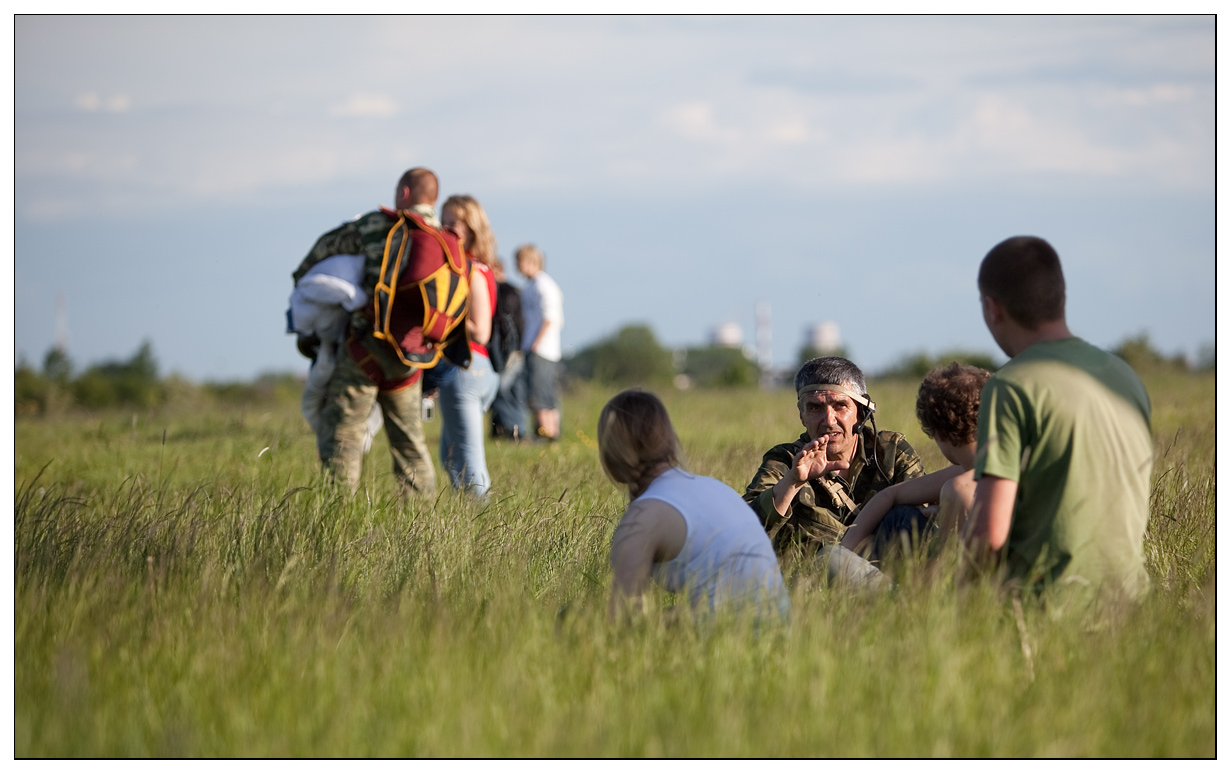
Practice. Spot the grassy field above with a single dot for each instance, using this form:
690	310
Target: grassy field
186	585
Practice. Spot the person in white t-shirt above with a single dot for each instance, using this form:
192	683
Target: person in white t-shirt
692	534
542	306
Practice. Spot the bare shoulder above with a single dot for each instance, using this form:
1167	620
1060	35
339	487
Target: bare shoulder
959	490
654	526
957	498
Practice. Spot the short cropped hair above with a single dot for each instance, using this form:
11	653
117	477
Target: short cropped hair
423	185
830	370
948	402
531	253
635	436
1023	274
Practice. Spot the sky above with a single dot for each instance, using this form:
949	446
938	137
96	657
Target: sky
171	172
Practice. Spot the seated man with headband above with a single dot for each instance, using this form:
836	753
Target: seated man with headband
806	492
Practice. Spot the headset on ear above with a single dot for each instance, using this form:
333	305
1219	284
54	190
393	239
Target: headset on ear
865	410
866	413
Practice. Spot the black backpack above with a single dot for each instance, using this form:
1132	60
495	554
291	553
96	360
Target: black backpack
506	333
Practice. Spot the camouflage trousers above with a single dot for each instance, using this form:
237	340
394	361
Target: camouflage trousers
344	418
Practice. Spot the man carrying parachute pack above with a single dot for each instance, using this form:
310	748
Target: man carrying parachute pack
417	279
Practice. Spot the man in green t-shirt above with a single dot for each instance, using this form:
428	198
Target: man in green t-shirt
1064	447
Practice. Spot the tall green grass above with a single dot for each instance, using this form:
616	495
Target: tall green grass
187	585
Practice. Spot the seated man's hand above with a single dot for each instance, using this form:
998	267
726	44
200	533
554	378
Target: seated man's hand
811	462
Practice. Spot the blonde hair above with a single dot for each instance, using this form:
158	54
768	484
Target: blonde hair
530	253
482	242
635	438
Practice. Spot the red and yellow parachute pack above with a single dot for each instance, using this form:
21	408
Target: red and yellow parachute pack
419	305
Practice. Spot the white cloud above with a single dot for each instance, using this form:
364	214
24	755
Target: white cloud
47	208
365	106
693	121
71	163
1155	95
1030	141
753	131
891	160
225	173
788	131
118	103
76	163
91	102
87	102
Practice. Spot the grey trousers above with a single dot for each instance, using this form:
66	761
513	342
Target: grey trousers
847	568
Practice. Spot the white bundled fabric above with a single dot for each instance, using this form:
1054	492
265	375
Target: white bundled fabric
321	304
324	297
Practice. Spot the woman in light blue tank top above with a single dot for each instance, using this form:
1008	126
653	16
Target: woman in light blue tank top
692	534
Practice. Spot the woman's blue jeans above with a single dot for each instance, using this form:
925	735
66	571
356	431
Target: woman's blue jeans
463	401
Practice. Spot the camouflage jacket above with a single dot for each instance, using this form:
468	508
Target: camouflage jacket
826	506
365	235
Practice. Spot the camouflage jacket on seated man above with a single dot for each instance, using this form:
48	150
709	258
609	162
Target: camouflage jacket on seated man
824	507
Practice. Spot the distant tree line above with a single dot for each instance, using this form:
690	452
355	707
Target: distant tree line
132	384
634	356
915	366
1138	351
631	356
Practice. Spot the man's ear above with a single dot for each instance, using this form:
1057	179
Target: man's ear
992	310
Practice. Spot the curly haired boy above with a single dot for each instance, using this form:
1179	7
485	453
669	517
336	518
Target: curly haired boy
948	411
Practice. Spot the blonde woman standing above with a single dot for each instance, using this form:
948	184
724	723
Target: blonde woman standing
465	399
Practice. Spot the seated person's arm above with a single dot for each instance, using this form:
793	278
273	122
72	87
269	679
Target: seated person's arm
479	318
992	513
914	491
759	494
956	500
650	531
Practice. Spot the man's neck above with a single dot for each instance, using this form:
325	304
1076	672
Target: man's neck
427	211
966	456
1024	338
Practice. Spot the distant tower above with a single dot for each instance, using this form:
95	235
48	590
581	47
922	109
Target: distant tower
61	322
765	347
727	335
824	338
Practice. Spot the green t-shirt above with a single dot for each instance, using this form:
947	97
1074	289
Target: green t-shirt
1071	424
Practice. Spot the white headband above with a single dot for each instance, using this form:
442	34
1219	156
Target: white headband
847	391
